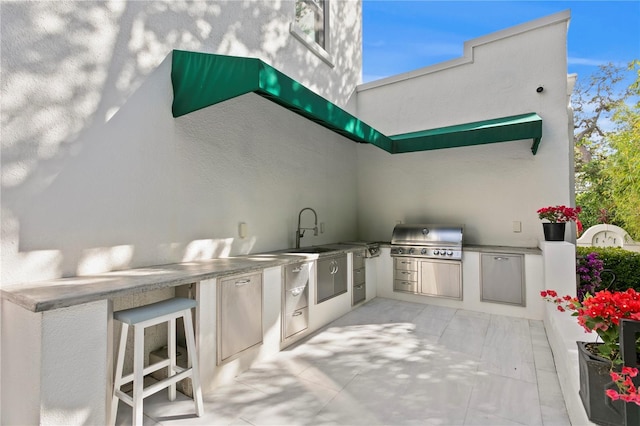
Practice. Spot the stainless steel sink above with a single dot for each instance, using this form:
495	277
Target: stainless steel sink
311	250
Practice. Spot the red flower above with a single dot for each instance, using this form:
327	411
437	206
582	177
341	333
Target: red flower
613	394
559	214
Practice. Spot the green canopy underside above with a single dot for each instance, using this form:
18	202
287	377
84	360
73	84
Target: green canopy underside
202	79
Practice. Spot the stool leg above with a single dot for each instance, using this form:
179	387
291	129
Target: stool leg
171	349
117	381
138	376
192	361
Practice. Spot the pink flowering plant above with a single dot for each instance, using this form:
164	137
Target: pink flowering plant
601	313
559	214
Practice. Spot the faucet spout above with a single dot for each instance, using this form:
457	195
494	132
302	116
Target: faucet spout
300	230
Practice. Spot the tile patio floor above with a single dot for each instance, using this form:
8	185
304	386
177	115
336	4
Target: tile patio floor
393	363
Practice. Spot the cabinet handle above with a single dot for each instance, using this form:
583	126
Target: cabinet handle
358	271
359	287
500	258
297	291
242	282
298	269
296	314
406	272
406	263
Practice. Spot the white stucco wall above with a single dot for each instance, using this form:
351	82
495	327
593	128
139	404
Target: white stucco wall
58	375
485	187
97	175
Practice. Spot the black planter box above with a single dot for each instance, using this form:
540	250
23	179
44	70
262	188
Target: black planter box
594	381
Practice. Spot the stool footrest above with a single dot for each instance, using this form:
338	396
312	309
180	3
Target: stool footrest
165	383
156	387
150	369
124	398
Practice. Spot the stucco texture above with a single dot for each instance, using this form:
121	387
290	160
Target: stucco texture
96	173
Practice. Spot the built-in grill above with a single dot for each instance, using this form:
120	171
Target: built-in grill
428	260
372	248
427	241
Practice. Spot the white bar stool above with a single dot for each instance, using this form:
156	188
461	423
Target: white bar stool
141	318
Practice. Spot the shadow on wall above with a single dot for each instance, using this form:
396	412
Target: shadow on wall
114	203
87	181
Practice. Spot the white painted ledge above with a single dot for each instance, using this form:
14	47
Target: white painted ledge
563	332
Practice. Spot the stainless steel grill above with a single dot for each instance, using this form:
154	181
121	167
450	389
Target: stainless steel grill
427	241
373	248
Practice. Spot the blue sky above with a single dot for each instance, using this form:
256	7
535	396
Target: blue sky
401	36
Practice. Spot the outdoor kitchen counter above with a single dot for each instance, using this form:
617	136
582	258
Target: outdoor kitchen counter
489	249
64	292
502	249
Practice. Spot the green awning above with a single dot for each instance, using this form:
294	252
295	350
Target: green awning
513	128
202	79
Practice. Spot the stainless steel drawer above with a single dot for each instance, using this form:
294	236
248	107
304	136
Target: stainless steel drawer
296	298
359	276
359	293
405	275
295	322
406	264
296	275
358	259
407	286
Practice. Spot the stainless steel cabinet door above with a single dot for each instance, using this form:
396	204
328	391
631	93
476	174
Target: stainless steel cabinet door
441	278
502	278
340	276
239	314
332	277
324	286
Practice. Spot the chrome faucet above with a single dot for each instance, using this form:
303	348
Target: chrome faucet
300	231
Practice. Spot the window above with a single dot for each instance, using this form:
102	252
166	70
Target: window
311	26
310	18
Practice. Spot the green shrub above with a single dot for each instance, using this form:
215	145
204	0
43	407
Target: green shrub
623	263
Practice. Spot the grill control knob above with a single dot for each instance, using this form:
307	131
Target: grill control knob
436	252
411	251
423	251
399	251
450	253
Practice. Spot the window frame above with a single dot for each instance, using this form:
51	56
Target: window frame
321	51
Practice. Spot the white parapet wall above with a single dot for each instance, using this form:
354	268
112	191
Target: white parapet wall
562	329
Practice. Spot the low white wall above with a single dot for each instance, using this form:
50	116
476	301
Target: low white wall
562	329
55	365
563	332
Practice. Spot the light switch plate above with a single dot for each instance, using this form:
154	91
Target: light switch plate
517	226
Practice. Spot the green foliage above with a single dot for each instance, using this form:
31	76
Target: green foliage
607	163
623	263
623	169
